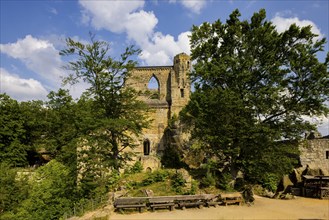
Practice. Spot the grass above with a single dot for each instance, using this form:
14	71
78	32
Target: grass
134	186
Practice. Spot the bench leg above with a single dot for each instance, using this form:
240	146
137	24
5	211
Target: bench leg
171	208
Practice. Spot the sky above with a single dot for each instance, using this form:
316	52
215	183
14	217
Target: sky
33	32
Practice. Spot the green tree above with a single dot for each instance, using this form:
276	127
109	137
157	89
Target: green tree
116	115
62	127
49	194
11	149
21	127
13	190
253	86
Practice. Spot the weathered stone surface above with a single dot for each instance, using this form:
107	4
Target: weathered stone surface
313	154
167	100
285	184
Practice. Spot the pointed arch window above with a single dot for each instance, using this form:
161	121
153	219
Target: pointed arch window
146	147
154	87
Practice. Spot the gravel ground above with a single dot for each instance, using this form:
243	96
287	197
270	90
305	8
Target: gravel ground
264	208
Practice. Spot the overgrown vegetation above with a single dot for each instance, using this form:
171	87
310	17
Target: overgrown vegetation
253	85
94	130
162	182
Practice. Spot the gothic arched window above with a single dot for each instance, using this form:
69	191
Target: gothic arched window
154	87
146	147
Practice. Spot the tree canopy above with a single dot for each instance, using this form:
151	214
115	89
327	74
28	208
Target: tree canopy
253	86
115	116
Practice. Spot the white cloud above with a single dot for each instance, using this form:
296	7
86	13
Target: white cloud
283	24
40	56
21	89
322	123
130	18
194	5
162	48
117	16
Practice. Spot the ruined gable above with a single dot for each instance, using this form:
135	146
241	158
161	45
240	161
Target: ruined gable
166	100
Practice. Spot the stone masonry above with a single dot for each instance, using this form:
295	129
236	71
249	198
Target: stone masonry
314	153
167	100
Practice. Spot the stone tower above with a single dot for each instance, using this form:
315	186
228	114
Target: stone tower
180	84
167	99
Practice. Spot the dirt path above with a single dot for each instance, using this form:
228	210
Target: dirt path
264	208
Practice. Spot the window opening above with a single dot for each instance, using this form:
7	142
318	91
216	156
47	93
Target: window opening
146	146
182	93
154	88
327	154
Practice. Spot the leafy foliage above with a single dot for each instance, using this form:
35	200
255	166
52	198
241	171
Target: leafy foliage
13	188
178	182
156	176
114	115
22	125
253	86
136	168
49	196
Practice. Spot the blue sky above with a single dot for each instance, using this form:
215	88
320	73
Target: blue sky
33	32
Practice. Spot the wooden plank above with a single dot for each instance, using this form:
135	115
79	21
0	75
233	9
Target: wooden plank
130	202
171	206
161	200
231	198
230	195
131	206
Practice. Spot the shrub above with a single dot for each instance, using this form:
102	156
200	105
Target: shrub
194	187
207	181
178	182
224	182
270	182
136	168
156	176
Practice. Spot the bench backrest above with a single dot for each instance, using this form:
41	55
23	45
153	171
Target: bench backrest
161	200
130	200
230	195
189	197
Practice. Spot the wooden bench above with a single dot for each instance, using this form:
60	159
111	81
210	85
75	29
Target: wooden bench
231	198
190	200
211	200
162	202
130	202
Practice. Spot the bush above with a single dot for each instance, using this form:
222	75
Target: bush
178	182
207	181
136	168
270	182
224	182
194	187
156	176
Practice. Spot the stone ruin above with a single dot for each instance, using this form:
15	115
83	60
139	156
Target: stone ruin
166	99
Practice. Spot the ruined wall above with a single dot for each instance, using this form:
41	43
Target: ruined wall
172	95
315	154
